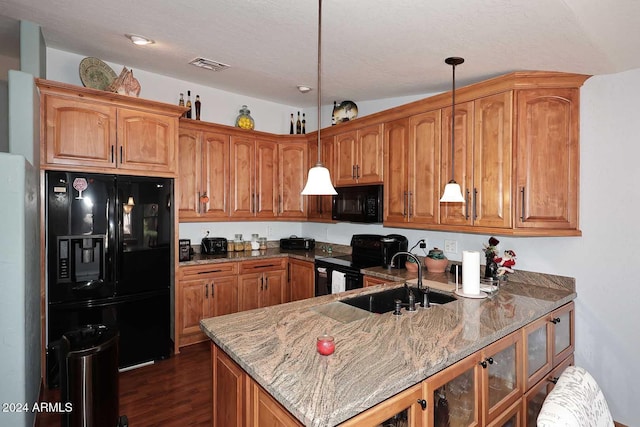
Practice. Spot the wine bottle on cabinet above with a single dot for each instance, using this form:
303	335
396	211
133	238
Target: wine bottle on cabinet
304	124
181	101
188	104
298	124
198	107
333	113
291	126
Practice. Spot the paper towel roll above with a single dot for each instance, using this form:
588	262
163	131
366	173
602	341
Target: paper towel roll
471	272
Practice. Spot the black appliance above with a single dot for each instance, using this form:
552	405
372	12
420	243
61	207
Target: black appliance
358	204
392	244
297	243
213	245
366	251
184	249
109	254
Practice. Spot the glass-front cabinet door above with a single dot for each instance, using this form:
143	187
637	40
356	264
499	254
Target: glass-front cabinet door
537	349
405	409
453	395
534	398
501	366
563	332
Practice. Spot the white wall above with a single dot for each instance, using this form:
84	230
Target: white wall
600	260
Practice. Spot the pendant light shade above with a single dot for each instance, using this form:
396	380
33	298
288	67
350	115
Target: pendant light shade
452	191
319	179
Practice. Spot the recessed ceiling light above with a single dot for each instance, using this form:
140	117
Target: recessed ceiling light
139	40
304	89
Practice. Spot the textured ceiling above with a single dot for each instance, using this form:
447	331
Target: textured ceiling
371	49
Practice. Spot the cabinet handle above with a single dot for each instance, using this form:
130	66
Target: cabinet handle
555	320
212	289
475	198
112	154
261	282
253	202
553	380
264	265
206	290
279	204
423	404
357	171
409	210
353	171
209	271
486	362
522	205
466	204
257	202
121	154
266	283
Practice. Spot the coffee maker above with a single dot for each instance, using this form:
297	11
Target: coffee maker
392	244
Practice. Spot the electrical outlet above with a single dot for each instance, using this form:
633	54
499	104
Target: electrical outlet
269	231
451	246
424	243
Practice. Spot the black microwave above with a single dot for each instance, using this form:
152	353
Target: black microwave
358	204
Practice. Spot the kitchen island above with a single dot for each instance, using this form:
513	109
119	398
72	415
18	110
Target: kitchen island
377	355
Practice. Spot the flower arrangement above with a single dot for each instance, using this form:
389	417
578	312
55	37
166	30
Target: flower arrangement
498	266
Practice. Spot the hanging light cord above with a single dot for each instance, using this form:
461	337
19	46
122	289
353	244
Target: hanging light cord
319	71
453	118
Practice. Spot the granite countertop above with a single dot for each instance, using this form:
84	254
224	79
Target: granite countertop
377	355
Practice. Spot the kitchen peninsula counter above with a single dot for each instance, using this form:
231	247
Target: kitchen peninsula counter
377	355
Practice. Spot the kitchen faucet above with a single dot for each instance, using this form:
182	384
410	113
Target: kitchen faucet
425	291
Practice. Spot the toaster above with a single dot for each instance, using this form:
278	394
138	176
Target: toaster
213	245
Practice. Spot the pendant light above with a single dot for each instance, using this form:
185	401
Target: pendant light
319	180
452	192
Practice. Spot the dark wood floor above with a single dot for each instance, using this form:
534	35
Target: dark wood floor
171	393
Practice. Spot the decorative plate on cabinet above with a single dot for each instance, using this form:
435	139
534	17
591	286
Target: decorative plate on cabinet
95	74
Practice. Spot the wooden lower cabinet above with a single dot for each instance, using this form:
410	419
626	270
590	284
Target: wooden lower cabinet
204	291
535	396
484	389
404	409
301	279
262	283
238	401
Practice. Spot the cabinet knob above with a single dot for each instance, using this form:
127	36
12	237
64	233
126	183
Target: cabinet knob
555	320
486	362
553	380
423	404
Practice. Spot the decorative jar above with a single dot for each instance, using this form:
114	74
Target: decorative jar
244	119
435	261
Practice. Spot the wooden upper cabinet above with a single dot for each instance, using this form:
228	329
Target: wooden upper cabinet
292	176
396	180
547	165
492	160
483	162
242	176
266	185
424	167
146	141
78	132
319	207
358	156
253	177
97	131
457	213
370	159
203	163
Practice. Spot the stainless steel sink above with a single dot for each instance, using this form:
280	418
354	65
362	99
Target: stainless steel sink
385	301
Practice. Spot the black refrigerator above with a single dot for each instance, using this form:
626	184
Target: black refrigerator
108	251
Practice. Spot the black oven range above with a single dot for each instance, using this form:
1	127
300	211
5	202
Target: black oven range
342	273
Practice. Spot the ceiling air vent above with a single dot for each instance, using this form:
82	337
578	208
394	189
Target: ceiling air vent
209	64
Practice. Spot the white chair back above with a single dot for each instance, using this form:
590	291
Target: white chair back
575	401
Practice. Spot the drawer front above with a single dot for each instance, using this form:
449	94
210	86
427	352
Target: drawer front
265	264
209	270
